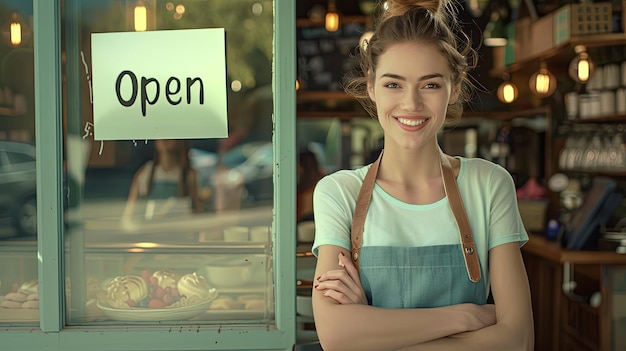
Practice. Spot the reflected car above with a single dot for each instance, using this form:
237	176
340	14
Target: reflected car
250	163
18	186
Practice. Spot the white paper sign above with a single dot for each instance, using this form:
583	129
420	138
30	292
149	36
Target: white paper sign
168	84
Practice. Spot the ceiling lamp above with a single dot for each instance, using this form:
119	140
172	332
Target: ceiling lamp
543	82
581	67
507	92
14	32
332	21
140	17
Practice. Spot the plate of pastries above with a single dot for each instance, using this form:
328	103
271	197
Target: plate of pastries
158	295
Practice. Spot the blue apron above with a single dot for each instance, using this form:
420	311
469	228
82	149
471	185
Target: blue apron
162	190
417	277
414	277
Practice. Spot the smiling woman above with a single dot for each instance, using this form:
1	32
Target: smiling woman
410	246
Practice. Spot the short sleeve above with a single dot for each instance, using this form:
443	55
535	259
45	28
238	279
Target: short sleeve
334	199
505	222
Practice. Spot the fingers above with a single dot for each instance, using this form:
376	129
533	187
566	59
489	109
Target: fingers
346	262
338	297
342	285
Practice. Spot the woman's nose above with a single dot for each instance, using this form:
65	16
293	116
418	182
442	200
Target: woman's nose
412	100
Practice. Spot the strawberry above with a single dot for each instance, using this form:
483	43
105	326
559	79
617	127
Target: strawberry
159	292
156	303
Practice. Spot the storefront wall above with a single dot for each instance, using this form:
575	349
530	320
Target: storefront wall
209	265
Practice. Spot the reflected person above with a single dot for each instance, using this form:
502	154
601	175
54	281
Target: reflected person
167	176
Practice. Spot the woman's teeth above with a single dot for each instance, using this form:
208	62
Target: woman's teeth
411	122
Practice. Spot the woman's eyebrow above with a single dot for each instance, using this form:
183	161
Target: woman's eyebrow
399	77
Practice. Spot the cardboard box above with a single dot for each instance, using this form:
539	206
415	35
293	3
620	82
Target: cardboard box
541	34
573	20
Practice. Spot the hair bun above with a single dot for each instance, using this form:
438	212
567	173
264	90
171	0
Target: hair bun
400	7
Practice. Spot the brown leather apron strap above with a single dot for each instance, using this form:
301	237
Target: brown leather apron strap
465	231
454	199
360	210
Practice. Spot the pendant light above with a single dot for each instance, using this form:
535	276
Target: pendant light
332	21
543	82
581	67
15	32
140	17
507	91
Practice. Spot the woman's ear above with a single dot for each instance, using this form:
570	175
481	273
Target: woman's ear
370	87
454	94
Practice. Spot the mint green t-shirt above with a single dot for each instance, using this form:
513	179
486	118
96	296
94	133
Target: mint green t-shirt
488	194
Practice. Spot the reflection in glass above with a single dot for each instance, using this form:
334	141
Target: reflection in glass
19	299
172	231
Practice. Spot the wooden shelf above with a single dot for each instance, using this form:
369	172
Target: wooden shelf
540	246
607	173
303	96
601	119
563	52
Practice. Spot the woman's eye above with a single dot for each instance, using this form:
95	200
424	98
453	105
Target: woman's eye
432	86
392	85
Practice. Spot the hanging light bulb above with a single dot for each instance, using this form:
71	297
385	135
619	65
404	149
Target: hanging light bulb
581	67
507	92
140	17
332	21
14	31
543	82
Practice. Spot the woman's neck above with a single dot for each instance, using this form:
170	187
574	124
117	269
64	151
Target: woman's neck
410	166
168	162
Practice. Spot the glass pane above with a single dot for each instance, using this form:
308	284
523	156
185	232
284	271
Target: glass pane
171	230
19	301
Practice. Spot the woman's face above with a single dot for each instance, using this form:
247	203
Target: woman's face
167	145
412	90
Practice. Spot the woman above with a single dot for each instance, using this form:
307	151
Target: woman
168	175
412	290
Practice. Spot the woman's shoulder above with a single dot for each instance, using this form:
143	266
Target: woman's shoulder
476	164
344	179
482	169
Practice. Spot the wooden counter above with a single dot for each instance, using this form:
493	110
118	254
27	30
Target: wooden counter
551	250
565	322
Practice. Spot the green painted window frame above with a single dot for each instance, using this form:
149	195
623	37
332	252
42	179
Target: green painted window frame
53	333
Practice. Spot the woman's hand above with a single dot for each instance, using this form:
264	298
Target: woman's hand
342	285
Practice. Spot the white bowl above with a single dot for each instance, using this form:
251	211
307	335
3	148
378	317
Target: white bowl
306	231
236	234
228	275
304	306
259	233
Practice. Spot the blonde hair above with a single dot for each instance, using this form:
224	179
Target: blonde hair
424	21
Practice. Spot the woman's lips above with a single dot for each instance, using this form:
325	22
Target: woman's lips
411	124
